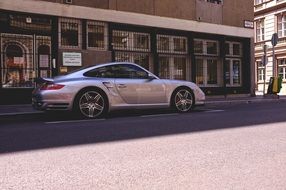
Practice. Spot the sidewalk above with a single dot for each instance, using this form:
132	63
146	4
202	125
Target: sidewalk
27	110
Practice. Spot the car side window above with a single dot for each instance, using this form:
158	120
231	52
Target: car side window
101	72
130	72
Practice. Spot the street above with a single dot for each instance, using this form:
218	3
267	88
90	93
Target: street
241	146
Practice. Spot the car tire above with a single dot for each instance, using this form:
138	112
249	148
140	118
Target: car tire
183	100
91	103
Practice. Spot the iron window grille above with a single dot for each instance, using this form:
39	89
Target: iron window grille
172	44
69	33
97	35
131	41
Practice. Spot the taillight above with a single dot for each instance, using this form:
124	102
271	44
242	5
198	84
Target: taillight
51	87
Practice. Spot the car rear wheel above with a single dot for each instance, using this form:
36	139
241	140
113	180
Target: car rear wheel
91	104
183	100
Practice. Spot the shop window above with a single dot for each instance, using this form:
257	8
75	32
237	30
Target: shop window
16	72
233	49
172	67
282	68
131	41
233	72
97	35
70	35
281	19
260	30
208	72
206	47
172	44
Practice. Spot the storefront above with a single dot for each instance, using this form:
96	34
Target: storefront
26	44
35	46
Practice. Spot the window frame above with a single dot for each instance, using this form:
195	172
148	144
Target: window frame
171	67
283	66
130	41
205	47
231	75
281	33
260	71
79	32
205	71
171	44
105	33
260	30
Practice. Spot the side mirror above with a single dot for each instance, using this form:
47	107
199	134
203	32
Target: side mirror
151	77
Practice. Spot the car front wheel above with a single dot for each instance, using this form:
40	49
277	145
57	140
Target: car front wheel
183	100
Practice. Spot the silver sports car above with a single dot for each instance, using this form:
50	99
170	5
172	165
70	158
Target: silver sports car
96	90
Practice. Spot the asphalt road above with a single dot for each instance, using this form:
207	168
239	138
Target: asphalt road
220	147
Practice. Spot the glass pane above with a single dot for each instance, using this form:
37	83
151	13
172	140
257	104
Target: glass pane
236	72
142	60
164	70
180	45
211	71
198	47
281	74
200	71
96	36
120	39
227	50
236	49
212	48
227	71
141	41
163	43
69	34
180	68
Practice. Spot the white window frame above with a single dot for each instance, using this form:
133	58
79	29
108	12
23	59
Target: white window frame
283	25
283	67
260	30
172	44
205	48
231	77
105	34
262	69
79	32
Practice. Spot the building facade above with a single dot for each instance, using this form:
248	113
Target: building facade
270	18
208	42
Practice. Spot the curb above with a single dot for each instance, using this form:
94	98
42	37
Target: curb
8	117
247	101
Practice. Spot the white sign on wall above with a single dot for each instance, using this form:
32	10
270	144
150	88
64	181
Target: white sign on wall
248	24
72	59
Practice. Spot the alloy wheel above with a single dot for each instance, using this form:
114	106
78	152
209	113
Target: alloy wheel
91	104
183	100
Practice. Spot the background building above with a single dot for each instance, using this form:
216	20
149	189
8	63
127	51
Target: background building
270	18
206	41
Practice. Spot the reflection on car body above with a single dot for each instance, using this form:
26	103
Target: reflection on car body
94	91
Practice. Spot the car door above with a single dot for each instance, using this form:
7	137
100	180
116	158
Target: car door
135	87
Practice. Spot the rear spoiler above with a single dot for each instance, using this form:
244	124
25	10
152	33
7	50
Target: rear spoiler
41	80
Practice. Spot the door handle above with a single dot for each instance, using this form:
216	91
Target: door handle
121	86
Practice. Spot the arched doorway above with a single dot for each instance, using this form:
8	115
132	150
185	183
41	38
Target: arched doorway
14	64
